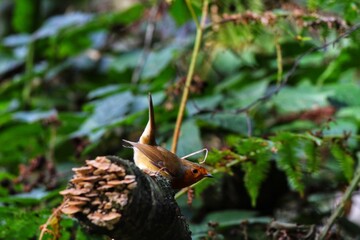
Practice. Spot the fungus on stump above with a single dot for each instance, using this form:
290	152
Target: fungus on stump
111	196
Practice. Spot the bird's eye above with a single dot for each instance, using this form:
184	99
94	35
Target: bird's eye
195	171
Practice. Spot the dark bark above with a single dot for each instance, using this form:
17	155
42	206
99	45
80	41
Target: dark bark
150	212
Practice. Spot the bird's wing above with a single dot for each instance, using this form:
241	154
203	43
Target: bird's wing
159	157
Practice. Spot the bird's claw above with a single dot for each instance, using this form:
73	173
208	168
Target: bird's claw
150	173
153	173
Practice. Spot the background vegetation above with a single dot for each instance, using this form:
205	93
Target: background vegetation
275	96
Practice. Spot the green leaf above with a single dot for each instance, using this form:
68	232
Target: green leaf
341	127
127	16
18	223
216	156
226	61
179	12
6	179
347	94
241	98
258	154
33	116
108	111
80	23
226	218
300	98
8	63
25	15
312	60
189	140
17	40
288	159
208	103
296	126
104	90
55	24
230	82
350	112
233	122
312	156
28	143
157	61
125	61
344	159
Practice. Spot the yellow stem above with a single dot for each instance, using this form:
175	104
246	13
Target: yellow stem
340	208
192	12
278	60
56	213
199	33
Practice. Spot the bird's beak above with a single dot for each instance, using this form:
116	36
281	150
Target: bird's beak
209	175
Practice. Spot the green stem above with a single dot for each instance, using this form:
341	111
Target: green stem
340	208
29	66
278	60
192	12
52	142
199	33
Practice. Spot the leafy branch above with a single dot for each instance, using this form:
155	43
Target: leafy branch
268	18
287	76
294	67
288	150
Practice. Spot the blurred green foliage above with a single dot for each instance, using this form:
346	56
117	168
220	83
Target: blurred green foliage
68	93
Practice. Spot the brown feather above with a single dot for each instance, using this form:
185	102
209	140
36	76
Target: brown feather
148	135
160	157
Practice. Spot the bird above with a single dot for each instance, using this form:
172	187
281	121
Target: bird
151	157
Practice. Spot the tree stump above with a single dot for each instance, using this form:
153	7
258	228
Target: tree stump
112	197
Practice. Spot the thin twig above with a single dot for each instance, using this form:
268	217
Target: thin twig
199	33
56	213
278	59
52	142
269	18
192	12
29	70
147	44
291	72
340	208
249	125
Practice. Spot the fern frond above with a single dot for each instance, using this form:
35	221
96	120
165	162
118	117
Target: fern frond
313	4
288	160
216	156
312	156
344	159
256	167
255	174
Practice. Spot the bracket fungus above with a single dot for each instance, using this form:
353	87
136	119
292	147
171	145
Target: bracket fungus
98	191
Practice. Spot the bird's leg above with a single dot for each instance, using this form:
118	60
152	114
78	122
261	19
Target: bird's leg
161	169
153	173
149	172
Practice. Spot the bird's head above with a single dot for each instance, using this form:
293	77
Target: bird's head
193	173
